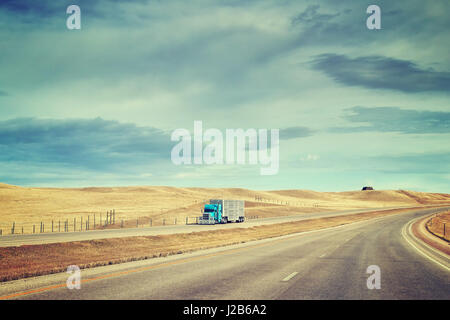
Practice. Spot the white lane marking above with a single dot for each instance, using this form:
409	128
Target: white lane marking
426	244
331	251
423	243
422	252
289	277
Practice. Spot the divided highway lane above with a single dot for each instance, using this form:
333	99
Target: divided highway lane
323	264
41	238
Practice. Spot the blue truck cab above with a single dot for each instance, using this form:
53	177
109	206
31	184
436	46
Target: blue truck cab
214	211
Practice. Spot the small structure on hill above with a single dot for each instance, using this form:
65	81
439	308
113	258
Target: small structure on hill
366	188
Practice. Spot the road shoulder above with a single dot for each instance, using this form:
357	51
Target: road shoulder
420	231
414	239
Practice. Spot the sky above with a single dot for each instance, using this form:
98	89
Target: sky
354	107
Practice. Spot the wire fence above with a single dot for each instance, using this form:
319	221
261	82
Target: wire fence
69	224
270	201
96	222
439	225
109	220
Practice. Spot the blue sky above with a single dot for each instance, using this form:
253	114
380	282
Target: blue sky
354	106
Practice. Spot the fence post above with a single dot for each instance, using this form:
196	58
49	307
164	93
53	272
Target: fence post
34	228
186	220
151	222
87	228
114	216
74	224
59	225
52	225
13	227
175	220
1	232
121	224
40	230
164	222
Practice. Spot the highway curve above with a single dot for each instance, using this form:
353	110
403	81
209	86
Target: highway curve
322	264
42	238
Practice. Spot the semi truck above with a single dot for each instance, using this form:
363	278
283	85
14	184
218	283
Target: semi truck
222	211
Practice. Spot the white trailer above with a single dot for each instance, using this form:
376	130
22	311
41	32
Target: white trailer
232	210
223	211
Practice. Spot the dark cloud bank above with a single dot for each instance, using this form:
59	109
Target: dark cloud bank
89	143
378	72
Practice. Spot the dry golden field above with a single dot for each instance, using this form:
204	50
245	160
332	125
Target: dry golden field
29	206
437	224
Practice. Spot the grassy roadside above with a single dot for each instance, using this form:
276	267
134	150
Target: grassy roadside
33	260
436	225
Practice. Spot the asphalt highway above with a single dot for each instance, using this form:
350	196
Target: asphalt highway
41	238
323	264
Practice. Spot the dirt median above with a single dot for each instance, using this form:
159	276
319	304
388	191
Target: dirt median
420	230
33	260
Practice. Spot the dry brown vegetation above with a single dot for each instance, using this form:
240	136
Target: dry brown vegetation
32	260
436	225
28	206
